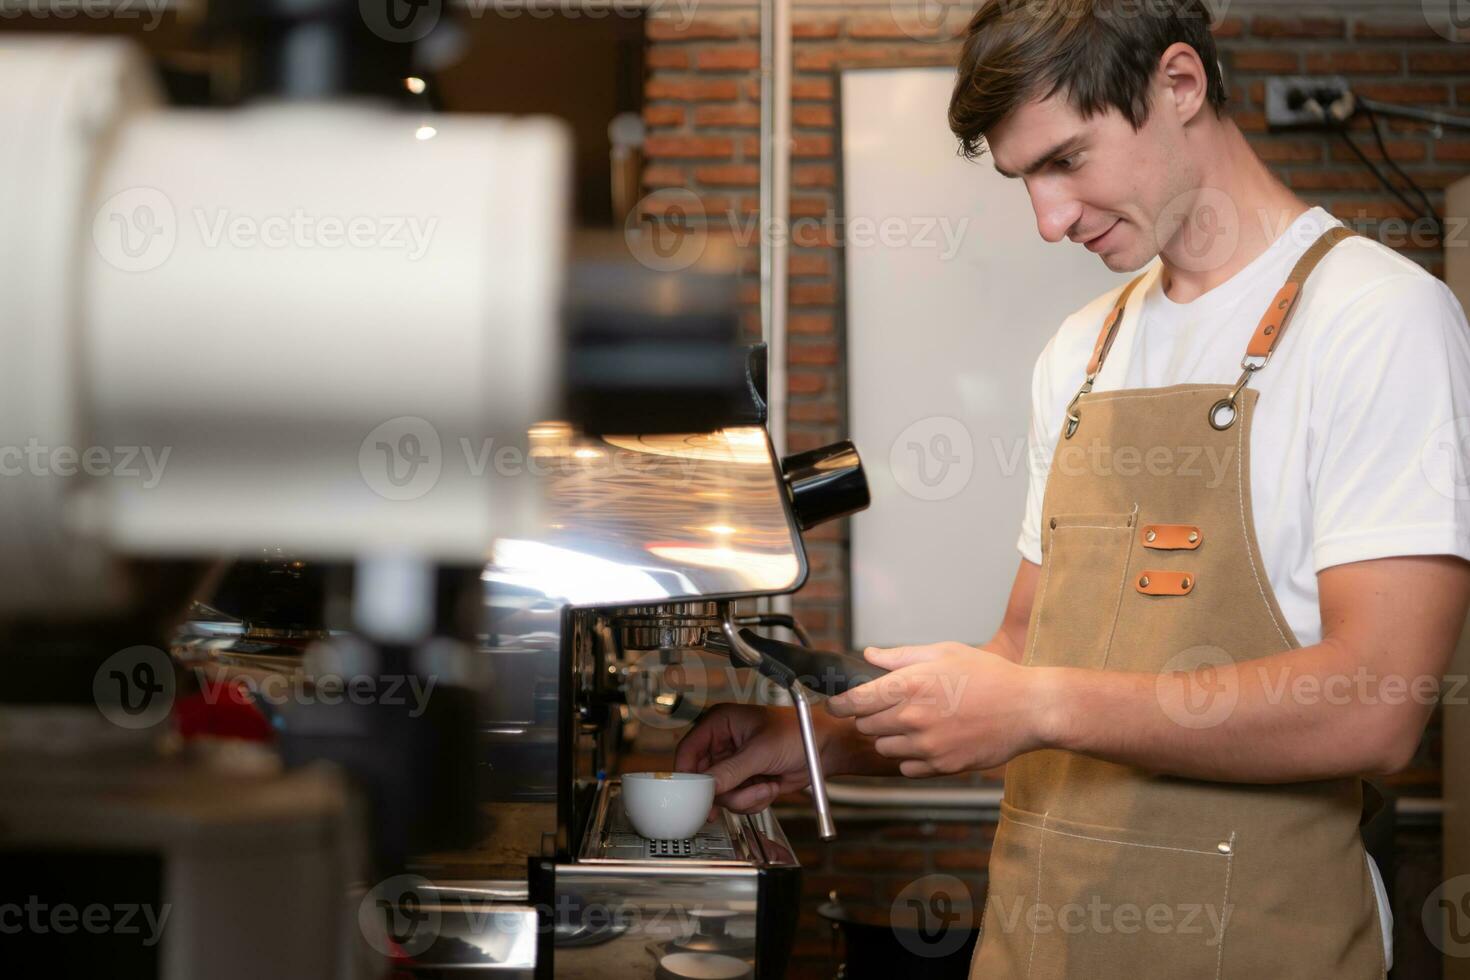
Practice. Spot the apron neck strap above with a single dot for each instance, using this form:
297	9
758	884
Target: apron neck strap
1110	329
1273	324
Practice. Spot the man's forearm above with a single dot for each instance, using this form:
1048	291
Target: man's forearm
1304	714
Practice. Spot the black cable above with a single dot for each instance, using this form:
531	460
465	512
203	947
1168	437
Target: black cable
1383	148
1341	129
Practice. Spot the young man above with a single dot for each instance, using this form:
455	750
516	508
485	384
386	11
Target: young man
1244	553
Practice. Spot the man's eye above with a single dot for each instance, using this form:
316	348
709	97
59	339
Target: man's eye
1067	163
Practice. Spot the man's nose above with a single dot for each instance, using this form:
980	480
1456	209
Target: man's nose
1055	215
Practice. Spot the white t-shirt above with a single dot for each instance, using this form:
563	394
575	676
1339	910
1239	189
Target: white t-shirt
1360	445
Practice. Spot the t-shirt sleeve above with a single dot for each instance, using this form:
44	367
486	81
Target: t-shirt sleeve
1041	438
1389	433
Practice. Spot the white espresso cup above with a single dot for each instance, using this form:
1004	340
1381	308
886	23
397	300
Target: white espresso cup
668	805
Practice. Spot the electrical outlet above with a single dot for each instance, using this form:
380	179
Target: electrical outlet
1288	99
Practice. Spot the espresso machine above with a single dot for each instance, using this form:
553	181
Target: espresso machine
617	619
527	480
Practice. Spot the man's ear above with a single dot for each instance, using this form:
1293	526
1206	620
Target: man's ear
1184	88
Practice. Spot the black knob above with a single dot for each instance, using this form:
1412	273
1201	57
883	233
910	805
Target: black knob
825	483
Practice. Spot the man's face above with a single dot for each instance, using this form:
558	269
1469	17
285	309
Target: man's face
1096	181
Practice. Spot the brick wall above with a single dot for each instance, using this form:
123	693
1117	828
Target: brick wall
703	110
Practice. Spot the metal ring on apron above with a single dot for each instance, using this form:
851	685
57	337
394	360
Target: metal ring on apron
1229	402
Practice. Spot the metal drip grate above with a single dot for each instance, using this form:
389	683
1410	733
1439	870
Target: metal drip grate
670	848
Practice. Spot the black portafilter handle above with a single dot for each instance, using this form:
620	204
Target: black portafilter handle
820	671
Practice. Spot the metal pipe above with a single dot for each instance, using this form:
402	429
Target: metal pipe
826	829
775	205
800	697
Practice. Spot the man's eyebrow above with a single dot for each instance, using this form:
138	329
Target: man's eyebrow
1060	150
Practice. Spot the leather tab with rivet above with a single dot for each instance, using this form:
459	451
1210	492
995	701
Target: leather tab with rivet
1268	333
1164	583
1171	537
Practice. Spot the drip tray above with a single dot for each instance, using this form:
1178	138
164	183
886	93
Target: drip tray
614	839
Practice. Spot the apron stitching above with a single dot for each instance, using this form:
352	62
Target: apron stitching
1110	396
1246	531
1225	908
1128	843
1040	846
1127	562
1041	601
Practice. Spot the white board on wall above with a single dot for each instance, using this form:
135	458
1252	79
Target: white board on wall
951	295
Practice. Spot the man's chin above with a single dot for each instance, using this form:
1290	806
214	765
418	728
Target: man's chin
1126	259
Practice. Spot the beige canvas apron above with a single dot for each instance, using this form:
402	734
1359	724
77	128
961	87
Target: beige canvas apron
1150	563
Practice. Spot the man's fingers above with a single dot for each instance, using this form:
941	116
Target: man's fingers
877	695
896	747
884	723
707	738
735	770
892	658
752	797
917	769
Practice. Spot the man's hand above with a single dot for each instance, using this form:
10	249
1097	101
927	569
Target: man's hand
947	708
755	753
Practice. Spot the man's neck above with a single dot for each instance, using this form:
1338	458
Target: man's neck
1264	209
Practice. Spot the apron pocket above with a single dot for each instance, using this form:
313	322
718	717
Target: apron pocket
1076	900
1084	572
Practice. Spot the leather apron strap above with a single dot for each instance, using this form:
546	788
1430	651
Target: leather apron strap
1263	342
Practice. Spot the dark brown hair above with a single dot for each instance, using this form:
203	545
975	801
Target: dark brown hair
1101	53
